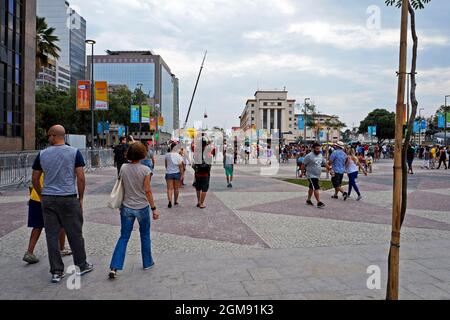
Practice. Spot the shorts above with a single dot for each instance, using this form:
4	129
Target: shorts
228	170
336	180
173	176
314	184
35	216
410	162
202	183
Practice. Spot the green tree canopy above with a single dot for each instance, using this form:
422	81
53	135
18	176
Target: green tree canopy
46	44
385	122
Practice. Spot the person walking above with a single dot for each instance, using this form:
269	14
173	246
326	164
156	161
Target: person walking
228	166
36	222
442	158
149	159
410	153
202	169
433	153
63	169
174	173
426	158
337	162
135	205
353	166
313	166
120	153
183	154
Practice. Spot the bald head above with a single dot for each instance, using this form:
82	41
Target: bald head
56	134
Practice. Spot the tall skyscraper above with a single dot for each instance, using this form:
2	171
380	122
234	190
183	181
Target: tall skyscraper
17	74
70	28
132	67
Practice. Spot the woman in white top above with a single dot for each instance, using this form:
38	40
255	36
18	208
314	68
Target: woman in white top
174	173
352	164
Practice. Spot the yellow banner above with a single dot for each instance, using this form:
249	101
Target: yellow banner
161	121
101	95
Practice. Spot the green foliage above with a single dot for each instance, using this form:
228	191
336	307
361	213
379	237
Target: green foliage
416	4
384	120
54	106
46	44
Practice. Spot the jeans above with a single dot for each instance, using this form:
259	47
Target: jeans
352	183
66	213
127	217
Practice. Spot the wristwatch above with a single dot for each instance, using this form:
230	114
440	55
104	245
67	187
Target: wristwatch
153	209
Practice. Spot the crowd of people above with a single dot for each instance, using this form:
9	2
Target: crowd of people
57	195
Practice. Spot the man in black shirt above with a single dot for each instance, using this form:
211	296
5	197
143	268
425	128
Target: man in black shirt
410	153
120	152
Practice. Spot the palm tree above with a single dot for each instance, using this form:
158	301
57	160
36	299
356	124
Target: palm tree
46	46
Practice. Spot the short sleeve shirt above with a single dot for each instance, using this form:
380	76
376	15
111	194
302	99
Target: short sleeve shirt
313	164
338	159
58	164
133	176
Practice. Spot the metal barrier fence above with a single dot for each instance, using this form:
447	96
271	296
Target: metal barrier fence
15	168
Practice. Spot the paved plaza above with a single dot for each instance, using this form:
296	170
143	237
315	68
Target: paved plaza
257	240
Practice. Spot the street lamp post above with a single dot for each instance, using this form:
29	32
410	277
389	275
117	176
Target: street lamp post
140	109
92	42
304	125
445	120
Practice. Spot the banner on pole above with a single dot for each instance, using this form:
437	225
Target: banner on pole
372	130
152	124
423	125
145	114
160	121
416	127
134	114
441	121
83	95
301	123
101	95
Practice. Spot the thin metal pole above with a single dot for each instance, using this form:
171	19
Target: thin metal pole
445	121
92	95
195	90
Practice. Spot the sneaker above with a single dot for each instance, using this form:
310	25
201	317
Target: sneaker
176	203
66	252
169	205
30	258
320	205
359	198
334	197
231	186
345	196
56	277
113	274
88	268
309	203
149	267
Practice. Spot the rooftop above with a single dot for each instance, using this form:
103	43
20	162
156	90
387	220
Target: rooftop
116	53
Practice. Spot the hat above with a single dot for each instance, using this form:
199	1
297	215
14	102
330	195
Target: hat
339	144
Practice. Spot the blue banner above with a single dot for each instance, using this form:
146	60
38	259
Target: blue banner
416	127
106	127
301	123
134	114
372	130
99	128
423	125
441	121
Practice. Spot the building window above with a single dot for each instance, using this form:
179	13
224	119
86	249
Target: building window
290	119
253	112
11	68
279	104
290	112
265	104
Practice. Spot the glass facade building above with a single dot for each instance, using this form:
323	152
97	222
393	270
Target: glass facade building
11	67
167	100
77	48
129	74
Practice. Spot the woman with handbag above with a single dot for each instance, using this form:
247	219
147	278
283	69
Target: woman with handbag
137	195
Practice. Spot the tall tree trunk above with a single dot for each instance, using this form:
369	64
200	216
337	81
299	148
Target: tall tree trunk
394	252
412	118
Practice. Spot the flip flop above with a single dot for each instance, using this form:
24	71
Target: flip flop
202	207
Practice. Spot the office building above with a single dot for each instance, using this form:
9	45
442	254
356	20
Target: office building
132	67
271	111
70	28
17	74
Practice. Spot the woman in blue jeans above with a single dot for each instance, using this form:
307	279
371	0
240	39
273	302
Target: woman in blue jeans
135	205
352	164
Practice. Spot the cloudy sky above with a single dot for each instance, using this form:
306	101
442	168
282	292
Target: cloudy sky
336	52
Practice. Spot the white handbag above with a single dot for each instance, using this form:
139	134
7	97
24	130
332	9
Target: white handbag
116	196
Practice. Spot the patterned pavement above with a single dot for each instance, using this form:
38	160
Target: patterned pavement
260	216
